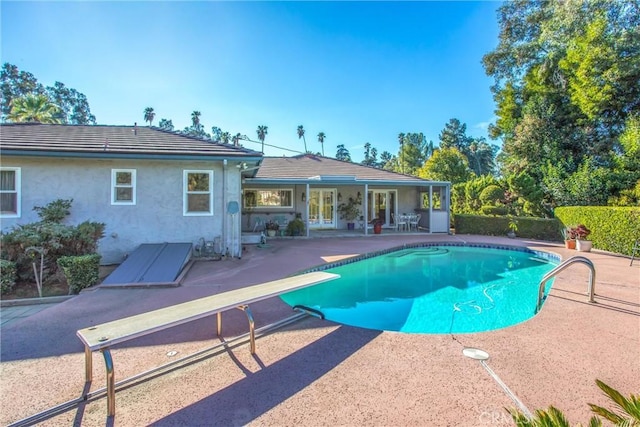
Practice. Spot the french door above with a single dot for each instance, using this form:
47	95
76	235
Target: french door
382	205
322	208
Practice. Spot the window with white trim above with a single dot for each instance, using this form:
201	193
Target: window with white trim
268	198
198	192
123	186
10	192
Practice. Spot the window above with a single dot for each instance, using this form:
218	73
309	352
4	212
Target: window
123	186
198	193
10	192
437	199
272	198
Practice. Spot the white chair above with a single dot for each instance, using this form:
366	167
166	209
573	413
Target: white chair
259	224
400	222
413	222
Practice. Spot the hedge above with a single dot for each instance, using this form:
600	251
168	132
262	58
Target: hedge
81	271
7	275
528	227
613	229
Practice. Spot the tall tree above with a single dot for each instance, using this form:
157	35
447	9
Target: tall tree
216	133
195	119
166	125
262	132
301	135
236	139
34	108
342	153
321	137
225	137
447	164
401	151
149	115
73	106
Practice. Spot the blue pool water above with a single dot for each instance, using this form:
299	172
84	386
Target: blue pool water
436	290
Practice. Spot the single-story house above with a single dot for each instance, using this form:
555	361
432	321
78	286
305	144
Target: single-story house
149	185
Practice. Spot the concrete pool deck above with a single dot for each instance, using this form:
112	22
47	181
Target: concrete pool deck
315	372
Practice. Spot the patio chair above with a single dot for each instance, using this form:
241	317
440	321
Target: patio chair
400	221
413	222
259	224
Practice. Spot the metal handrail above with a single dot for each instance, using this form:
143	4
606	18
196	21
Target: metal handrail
562	266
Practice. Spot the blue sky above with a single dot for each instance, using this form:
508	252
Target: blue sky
357	71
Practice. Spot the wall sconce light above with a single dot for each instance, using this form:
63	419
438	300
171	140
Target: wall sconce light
304	197
359	197
339	197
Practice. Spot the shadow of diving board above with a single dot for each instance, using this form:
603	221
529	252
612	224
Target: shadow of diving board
151	264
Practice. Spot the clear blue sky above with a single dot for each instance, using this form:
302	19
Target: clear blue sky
358	71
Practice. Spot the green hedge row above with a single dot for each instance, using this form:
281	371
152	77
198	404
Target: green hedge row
613	229
81	271
528	227
7	275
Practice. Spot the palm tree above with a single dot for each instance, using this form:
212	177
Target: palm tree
195	119
301	135
149	115
236	139
34	108
321	137
225	137
262	132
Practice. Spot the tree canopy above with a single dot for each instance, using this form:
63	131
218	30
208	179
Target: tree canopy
72	106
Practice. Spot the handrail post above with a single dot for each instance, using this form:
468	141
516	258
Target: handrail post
576	259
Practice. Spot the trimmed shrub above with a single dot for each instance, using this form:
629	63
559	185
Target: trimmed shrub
528	227
494	210
81	271
491	195
613	229
7	275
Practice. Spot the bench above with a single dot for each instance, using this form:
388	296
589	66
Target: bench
103	337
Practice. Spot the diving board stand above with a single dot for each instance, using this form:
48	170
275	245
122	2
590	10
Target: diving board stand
103	337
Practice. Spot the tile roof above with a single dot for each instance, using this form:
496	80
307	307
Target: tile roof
111	141
312	168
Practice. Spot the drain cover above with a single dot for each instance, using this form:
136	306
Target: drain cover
475	353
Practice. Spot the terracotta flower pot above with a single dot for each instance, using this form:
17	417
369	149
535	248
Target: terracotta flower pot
570	244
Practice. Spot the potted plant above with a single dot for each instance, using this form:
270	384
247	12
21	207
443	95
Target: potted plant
582	244
349	211
377	225
272	227
569	235
295	227
513	227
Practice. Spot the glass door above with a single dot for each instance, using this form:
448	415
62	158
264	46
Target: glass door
382	205
322	208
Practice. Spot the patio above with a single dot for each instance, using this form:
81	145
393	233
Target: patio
316	372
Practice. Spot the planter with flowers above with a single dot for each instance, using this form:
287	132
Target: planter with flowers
570	234
272	228
582	244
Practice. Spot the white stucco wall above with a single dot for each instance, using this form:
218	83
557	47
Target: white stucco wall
157	215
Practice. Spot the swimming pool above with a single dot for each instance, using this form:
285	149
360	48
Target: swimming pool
433	289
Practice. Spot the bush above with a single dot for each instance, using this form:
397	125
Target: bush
491	195
613	229
81	271
55	239
295	227
528	227
7	275
494	210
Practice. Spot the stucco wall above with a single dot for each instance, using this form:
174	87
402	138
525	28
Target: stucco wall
157	215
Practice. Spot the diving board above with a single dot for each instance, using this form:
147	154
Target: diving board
103	337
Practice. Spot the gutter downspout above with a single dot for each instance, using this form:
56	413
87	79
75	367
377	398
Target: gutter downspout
225	248
430	208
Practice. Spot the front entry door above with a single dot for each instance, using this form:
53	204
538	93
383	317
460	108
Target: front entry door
322	208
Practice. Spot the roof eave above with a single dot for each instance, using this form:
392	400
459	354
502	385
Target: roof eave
130	156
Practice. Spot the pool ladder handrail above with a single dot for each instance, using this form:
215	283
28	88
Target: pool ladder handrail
561	267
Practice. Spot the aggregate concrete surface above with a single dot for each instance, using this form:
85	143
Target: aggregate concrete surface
319	373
